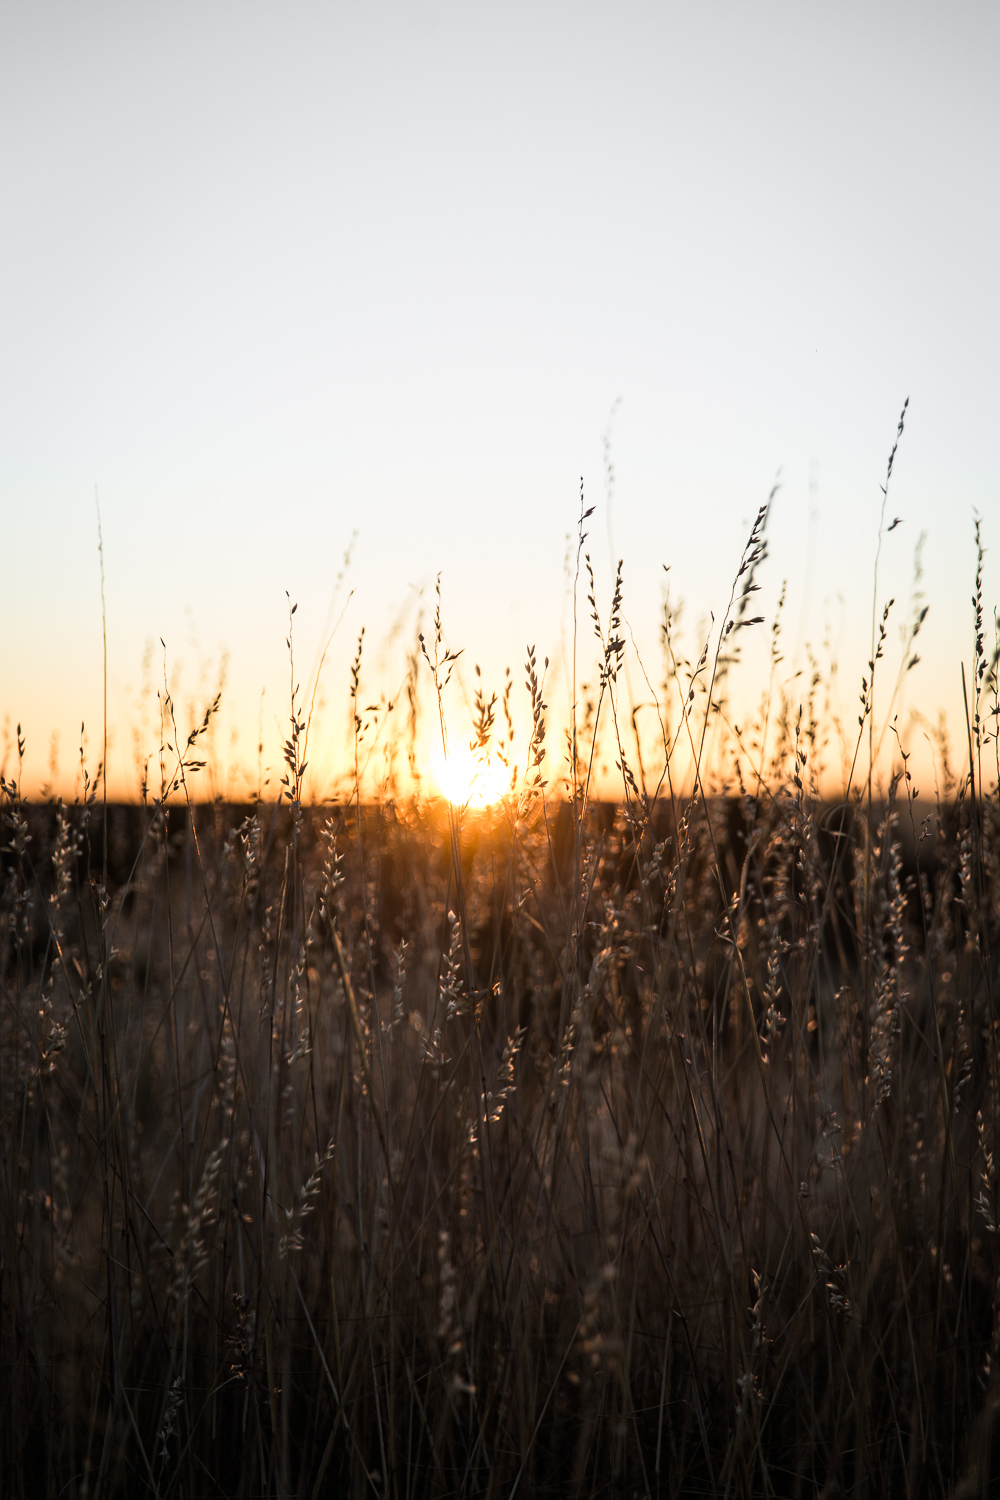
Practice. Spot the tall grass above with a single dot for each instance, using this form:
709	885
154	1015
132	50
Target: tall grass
569	1147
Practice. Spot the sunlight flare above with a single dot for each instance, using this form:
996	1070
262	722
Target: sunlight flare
467	780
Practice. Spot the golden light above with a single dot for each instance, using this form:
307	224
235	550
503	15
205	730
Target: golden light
468	781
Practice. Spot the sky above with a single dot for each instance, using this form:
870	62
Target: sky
279	284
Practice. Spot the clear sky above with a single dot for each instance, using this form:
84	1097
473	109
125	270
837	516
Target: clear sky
271	276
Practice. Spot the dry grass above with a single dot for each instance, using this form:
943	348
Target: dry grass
565	1148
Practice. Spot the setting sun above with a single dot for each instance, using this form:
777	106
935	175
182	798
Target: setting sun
470	781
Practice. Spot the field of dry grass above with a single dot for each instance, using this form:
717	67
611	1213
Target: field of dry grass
565	1147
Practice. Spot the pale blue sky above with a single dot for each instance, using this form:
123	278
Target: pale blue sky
272	275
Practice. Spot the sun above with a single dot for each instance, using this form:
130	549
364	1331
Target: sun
468	781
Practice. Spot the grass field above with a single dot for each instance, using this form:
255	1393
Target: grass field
561	1147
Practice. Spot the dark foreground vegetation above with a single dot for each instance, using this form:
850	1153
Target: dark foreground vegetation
691	1190
564	1148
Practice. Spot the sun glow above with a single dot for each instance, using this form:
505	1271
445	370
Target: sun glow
470	781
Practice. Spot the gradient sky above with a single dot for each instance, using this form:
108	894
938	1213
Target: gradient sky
273	275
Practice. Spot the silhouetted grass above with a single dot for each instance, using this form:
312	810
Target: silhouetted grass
563	1148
